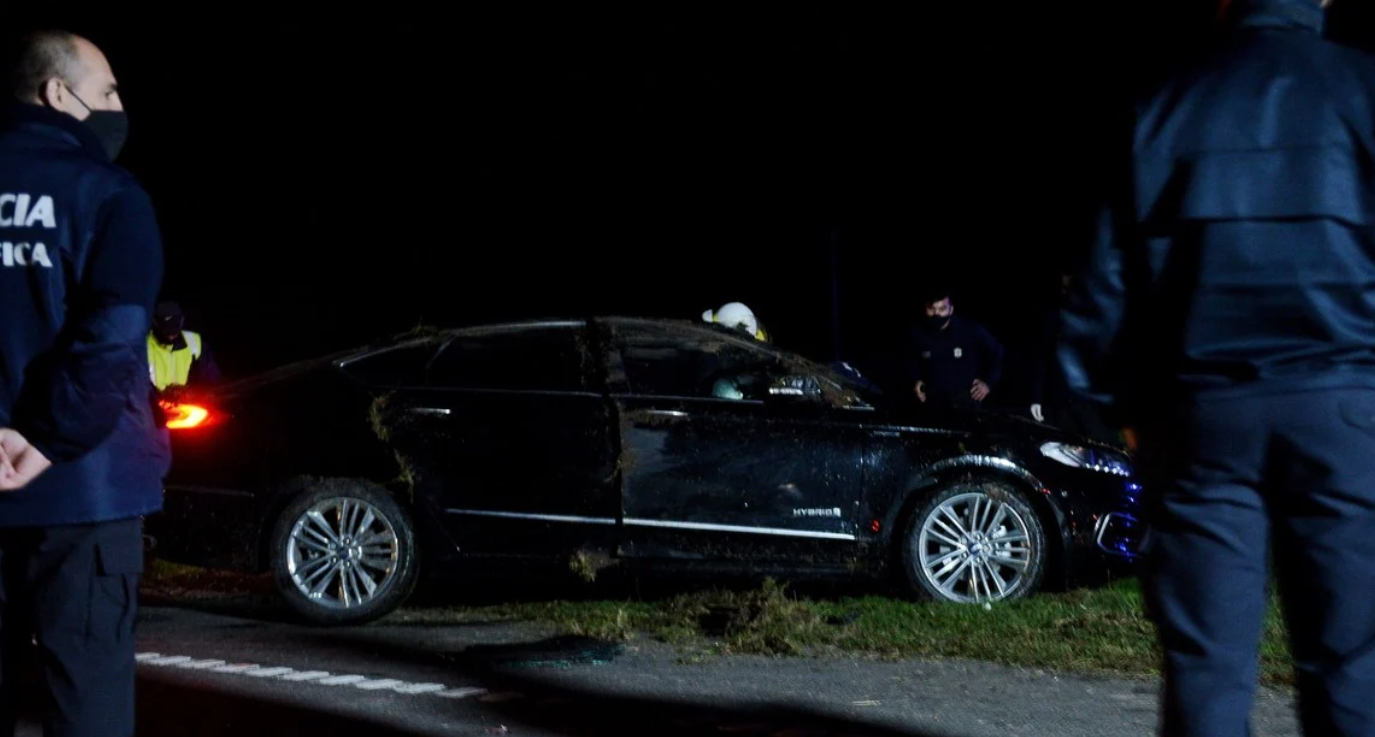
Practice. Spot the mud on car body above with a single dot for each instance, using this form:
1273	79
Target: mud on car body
459	452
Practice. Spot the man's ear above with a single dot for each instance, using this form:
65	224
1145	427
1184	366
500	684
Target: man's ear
50	92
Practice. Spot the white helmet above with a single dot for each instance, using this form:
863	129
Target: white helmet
734	315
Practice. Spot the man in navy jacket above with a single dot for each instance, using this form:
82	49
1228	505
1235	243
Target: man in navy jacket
951	361
1228	317
82	449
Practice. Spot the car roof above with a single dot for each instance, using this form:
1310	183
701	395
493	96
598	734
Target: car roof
426	334
669	326
423	334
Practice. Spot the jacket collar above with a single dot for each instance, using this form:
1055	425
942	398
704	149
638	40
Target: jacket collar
918	325
1290	15
30	118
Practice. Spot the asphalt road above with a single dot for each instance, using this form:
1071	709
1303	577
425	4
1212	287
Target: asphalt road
214	674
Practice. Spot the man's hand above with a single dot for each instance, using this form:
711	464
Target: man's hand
20	462
921	391
1037	413
979	390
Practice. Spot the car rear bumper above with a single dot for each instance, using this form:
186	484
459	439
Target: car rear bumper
213	528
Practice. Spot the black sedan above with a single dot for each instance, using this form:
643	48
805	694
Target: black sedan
647	445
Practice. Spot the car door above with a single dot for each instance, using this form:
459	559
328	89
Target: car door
509	441
713	472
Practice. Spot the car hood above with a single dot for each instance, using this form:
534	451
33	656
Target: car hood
981	422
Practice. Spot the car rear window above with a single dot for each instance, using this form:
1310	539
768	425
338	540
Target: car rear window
531	359
400	366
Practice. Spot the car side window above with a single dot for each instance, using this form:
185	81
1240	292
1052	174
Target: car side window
403	365
694	366
531	359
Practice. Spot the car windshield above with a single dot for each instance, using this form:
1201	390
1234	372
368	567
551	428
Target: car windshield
851	393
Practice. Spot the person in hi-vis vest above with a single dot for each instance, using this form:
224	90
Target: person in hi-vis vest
176	356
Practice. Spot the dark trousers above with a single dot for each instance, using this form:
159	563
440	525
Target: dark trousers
1230	478
75	589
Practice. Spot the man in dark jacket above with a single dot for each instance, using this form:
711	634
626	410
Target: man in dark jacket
951	361
84	456
1228	317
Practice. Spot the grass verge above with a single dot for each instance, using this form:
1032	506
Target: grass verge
1096	631
1101	630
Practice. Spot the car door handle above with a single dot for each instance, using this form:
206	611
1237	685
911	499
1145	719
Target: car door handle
430	411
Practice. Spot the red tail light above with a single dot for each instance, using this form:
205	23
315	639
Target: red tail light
184	416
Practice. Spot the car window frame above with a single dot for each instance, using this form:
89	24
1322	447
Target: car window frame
860	398
692	338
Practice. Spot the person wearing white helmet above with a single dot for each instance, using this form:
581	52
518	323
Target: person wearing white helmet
737	315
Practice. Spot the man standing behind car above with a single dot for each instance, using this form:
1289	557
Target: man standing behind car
951	361
81	454
1228	317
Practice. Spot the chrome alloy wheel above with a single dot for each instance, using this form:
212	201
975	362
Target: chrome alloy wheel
973	548
342	552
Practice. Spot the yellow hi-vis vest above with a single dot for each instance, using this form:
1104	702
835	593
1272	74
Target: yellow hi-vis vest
167	367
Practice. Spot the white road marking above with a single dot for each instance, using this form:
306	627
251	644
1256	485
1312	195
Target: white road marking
324	678
379	684
461	693
415	688
269	672
200	664
170	660
342	680
309	675
231	668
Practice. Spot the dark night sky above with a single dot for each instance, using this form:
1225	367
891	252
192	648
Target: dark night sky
323	179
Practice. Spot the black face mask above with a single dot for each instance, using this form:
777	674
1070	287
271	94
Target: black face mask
935	322
110	126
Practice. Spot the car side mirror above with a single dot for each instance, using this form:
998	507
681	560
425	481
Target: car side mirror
795	389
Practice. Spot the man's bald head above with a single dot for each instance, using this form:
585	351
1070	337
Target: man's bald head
64	71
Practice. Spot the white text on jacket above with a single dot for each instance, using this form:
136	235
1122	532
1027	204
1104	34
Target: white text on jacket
24	254
23	211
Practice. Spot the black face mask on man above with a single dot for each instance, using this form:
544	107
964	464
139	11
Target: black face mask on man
110	126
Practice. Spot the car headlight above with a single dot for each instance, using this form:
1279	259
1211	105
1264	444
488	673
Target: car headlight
1092	459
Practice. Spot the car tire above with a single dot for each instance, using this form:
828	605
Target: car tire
314	541
1008	547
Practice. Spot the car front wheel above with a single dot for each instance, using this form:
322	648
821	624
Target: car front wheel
344	553
974	542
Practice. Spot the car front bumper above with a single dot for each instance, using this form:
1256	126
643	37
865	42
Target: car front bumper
1104	523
